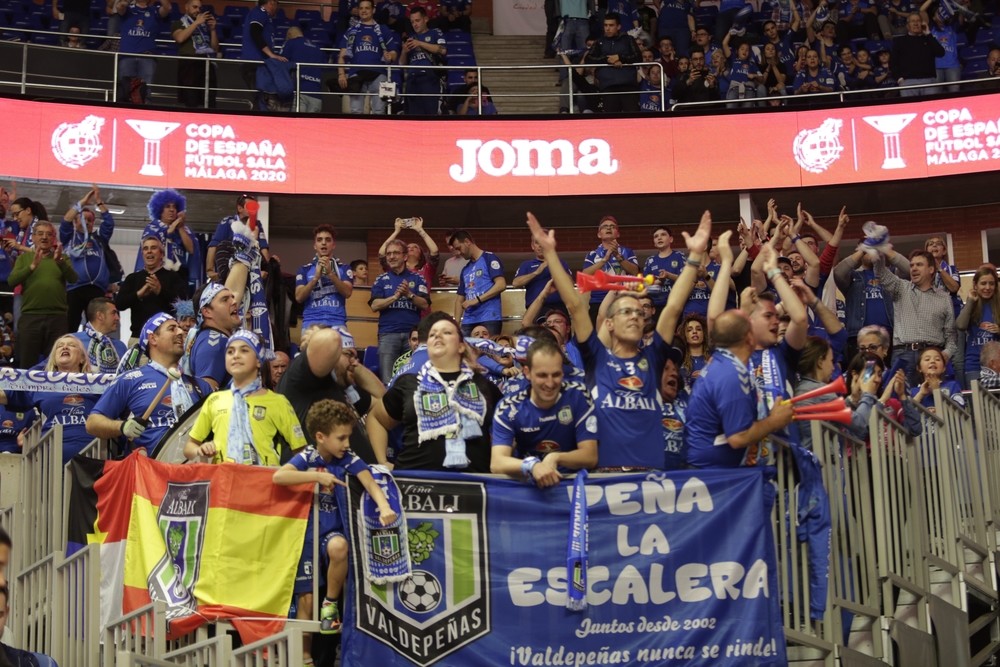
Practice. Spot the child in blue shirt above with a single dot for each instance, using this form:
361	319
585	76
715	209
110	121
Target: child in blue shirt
330	423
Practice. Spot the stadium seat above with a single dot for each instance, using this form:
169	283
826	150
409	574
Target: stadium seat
462	60
456	78
308	19
370	359
49	39
967	53
459	49
39	21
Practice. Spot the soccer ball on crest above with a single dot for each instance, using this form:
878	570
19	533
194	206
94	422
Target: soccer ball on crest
420	593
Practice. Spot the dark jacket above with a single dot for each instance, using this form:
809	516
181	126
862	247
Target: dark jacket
622	46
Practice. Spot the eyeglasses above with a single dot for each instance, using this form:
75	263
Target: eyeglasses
869	348
393	252
14	213
629	312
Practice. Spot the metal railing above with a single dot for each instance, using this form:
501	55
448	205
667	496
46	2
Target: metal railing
143	632
78	608
843	96
28	81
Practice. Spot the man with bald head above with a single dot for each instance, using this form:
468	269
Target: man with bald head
302	52
722	418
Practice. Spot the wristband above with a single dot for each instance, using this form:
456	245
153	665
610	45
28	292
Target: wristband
527	465
690	261
479	299
796	238
773	273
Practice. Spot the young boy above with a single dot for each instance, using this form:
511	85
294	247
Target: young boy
331	423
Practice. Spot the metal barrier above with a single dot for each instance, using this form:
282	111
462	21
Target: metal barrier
143	632
807	639
42	494
898	504
214	652
986	414
854	588
281	650
78	608
26	80
965	492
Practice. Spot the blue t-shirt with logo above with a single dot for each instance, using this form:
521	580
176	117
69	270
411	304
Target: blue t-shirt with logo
875	311
208	356
12	422
613	266
672	263
324	305
401	315
367	44
86	253
477	279
248	49
627	400
310	459
537	284
674	414
723	403
976	338
133	392
532	431
140	28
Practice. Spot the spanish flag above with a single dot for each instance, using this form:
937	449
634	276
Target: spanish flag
212	541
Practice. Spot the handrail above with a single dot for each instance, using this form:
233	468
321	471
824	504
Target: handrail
839	95
388	68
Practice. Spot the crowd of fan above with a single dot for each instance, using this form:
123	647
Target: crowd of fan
683	359
730	50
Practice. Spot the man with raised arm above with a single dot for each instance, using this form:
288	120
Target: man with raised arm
741	403
623	378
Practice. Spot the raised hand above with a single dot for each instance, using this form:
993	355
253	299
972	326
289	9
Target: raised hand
698	243
725	250
547	240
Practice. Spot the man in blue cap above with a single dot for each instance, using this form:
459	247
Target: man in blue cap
121	409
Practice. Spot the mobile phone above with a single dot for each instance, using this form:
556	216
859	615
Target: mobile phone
869	371
409	222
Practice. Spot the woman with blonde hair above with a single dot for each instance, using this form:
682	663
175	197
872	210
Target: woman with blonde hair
68	409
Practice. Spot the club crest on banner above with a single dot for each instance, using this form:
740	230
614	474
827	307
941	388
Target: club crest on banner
445	604
181	519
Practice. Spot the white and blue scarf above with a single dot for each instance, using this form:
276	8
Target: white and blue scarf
577	546
201	38
239	441
101	349
455	411
386	549
180	398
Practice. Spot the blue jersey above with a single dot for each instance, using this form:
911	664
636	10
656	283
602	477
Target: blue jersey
324	305
626	12
535	286
723	403
12	422
301	51
419	56
455	5
613	266
698	300
86	253
133	392
740	71
140	28
674	414
69	410
949	388
310	459
532	431
975	338
224	232
401	315
650	100
627	397
674	15
672	263
689	376
477	279
822	77
249	50
875	300
947	38
368	44
208	356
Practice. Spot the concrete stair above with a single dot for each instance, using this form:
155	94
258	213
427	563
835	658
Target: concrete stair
517	50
